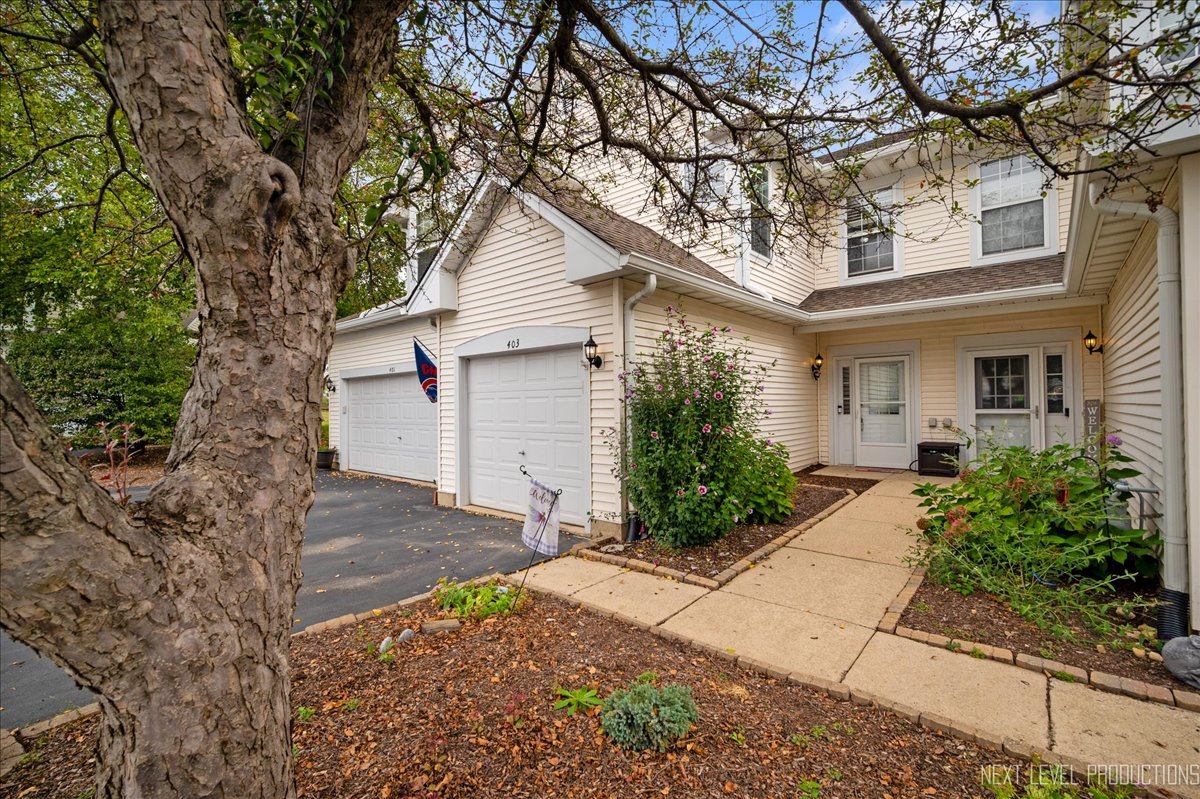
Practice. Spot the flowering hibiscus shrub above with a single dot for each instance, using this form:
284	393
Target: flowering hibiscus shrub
1047	530
694	466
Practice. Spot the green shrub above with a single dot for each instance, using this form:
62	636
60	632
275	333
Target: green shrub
694	404
1040	529
646	717
769	484
468	600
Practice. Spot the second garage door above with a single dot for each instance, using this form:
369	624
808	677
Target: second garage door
391	426
528	409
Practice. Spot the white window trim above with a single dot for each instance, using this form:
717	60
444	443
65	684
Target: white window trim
1049	224
757	257
897	270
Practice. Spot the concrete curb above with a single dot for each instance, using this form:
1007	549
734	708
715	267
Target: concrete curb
590	551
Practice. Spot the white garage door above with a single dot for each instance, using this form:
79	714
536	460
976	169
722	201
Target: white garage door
532	410
392	427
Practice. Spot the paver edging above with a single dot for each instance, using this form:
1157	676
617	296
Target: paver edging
590	550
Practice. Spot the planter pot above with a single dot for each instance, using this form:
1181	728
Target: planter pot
325	458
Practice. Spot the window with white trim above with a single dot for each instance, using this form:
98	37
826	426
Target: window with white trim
1012	206
1167	20
870	240
762	226
705	181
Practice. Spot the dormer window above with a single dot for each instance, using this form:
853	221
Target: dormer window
870	241
1017	213
762	225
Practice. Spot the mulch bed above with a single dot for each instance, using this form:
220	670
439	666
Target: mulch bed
712	559
469	713
987	620
145	467
855	484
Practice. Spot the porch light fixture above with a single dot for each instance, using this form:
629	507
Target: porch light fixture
1092	344
330	386
817	363
589	353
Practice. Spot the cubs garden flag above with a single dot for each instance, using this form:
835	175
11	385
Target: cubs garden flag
426	371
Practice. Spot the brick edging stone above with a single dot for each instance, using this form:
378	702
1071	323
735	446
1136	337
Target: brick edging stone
1100	680
590	551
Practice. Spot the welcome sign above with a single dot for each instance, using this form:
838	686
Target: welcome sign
540	532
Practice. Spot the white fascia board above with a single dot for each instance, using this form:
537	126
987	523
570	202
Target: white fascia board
381	314
752	303
438	292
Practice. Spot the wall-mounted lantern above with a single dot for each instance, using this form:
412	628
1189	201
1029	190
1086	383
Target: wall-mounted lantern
330	387
1092	344
817	363
590	349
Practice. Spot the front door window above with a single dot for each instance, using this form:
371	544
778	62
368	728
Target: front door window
1004	406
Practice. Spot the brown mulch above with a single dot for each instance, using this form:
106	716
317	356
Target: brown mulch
469	713
145	468
988	620
712	559
855	484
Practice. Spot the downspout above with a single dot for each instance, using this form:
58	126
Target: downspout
630	347
1173	595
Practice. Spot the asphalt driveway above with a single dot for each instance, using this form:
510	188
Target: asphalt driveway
369	542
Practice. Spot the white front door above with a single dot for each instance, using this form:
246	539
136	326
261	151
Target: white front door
391	427
528	410
882	418
1006	397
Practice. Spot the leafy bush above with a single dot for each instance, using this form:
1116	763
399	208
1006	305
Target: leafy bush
468	600
693	459
646	717
1038	528
769	485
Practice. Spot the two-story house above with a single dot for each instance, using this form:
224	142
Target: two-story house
1034	315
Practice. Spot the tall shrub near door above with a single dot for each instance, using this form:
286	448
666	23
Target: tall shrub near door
694	403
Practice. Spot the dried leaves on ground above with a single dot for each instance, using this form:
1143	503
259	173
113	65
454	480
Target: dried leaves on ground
988	620
712	559
469	713
856	484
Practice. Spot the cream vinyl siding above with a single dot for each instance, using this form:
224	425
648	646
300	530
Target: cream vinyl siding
376	346
934	240
938	375
1132	385
789	391
517	277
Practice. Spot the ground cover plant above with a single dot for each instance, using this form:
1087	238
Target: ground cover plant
476	600
695	465
1044	530
470	713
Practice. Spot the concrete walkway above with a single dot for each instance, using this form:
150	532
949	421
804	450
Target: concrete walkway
809	611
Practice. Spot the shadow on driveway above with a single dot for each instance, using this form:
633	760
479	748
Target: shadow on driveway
369	542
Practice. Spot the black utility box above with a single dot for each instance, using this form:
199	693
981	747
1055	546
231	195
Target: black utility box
938	458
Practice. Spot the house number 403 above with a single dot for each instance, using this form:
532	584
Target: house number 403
514	343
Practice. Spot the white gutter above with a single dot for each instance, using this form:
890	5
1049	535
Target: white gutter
1173	598
630	334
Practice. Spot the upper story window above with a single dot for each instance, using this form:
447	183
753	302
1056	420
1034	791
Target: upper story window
1168	20
762	225
703	181
1015	213
870	240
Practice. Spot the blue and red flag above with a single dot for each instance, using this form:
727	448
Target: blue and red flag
426	371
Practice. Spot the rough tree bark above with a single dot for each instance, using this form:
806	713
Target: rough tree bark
178	613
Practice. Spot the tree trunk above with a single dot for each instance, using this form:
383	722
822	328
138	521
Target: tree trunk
178	612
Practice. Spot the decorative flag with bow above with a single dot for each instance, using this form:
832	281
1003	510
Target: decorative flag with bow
541	519
426	371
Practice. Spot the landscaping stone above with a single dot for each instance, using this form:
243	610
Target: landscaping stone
641	596
11	752
406	635
991	697
440	626
1181	656
1096	727
1187	700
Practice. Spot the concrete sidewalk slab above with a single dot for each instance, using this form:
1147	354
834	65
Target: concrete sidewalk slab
1096	727
880	542
851	590
641	596
894	488
896	510
782	637
565	576
1002	700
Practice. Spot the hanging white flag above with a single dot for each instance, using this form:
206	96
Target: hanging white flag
541	520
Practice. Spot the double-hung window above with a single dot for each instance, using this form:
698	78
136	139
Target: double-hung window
1012	207
870	239
703	182
762	225
1188	45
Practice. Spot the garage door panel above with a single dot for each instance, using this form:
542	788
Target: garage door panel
533	403
391	426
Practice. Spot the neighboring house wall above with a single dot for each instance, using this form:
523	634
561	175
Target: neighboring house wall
390	344
933	239
938	358
789	390
516	277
